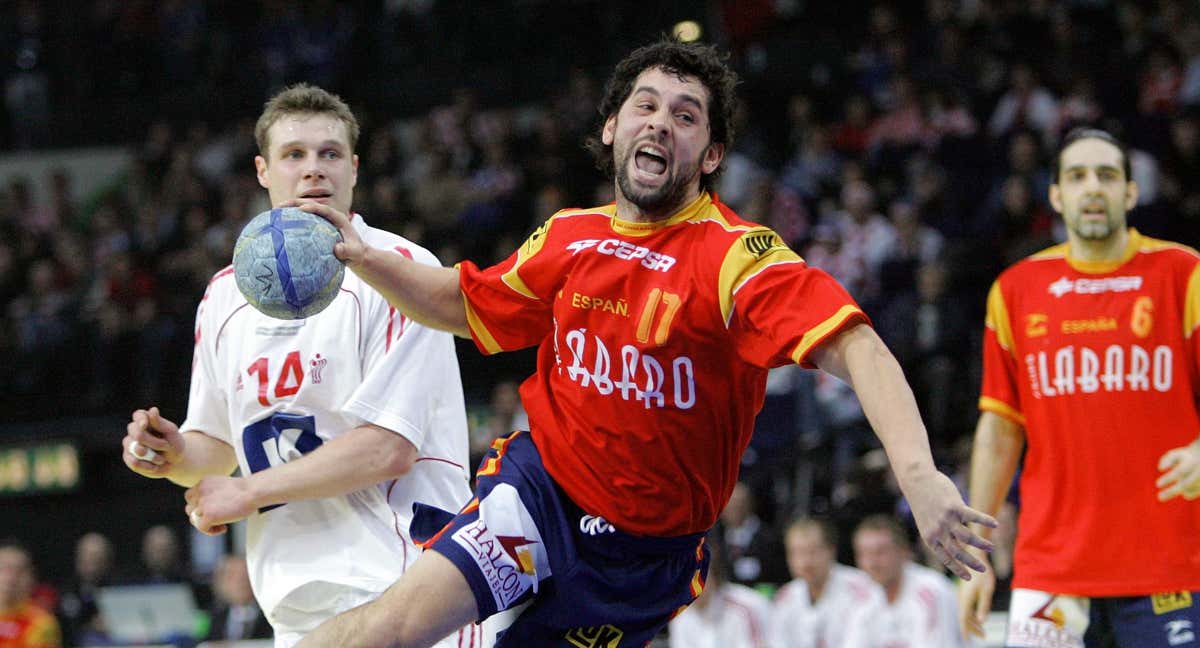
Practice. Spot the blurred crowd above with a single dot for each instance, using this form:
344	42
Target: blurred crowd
903	147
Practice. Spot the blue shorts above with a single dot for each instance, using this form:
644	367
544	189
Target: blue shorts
1039	619
522	539
1159	621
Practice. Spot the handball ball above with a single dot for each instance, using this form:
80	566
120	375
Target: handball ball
284	264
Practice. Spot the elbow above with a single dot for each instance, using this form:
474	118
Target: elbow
397	459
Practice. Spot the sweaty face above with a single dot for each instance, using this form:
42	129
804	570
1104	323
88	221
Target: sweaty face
661	142
1092	192
309	157
808	557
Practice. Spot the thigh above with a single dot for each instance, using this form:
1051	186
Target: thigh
1047	620
1167	620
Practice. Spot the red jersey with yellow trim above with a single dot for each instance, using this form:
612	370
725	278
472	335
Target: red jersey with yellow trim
655	344
28	626
1099	363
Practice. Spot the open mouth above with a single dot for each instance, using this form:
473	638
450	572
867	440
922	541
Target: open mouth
650	160
316	194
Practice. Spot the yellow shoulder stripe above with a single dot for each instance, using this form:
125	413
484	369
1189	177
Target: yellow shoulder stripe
997	317
754	251
990	404
818	332
1191	304
527	251
477	327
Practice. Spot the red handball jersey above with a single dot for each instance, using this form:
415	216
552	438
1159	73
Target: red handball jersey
655	344
28	626
1098	362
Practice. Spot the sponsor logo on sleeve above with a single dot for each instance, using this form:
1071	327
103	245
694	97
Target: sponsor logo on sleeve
759	244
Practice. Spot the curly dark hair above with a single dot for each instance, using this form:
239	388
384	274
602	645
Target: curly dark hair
703	62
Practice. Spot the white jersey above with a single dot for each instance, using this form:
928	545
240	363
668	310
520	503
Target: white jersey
275	390
924	615
797	622
735	616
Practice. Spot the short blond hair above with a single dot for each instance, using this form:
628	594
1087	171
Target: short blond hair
303	99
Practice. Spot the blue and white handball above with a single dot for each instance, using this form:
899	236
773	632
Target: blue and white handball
284	264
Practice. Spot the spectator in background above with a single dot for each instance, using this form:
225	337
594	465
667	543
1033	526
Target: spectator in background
77	604
161	557
44	318
918	609
725	614
812	611
1026	105
753	552
22	623
235	614
504	415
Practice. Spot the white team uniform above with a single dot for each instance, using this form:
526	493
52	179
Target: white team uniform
797	622
924	615
735	616
276	389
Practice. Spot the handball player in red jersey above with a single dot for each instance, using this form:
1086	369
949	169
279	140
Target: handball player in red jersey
656	320
1091	366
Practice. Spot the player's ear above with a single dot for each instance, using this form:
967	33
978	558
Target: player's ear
1056	198
260	168
354	173
609	131
712	158
1131	195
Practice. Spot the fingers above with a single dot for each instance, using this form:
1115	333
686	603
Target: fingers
1170	458
325	211
144	453
969	515
196	516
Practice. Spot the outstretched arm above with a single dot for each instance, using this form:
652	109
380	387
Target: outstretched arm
427	294
858	357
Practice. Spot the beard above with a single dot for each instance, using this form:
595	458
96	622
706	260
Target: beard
1093	230
666	197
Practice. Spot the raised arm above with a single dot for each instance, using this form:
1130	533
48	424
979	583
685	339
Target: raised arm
427	294
858	357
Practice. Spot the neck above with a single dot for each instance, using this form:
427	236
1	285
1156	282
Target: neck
628	211
892	590
816	588
1099	250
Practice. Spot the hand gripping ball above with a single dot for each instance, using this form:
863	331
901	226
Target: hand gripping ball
284	264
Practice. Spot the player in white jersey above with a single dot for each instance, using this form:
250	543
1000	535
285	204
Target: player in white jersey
337	422
726	614
812	610
919	608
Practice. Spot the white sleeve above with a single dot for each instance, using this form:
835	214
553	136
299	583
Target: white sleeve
410	376
207	410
